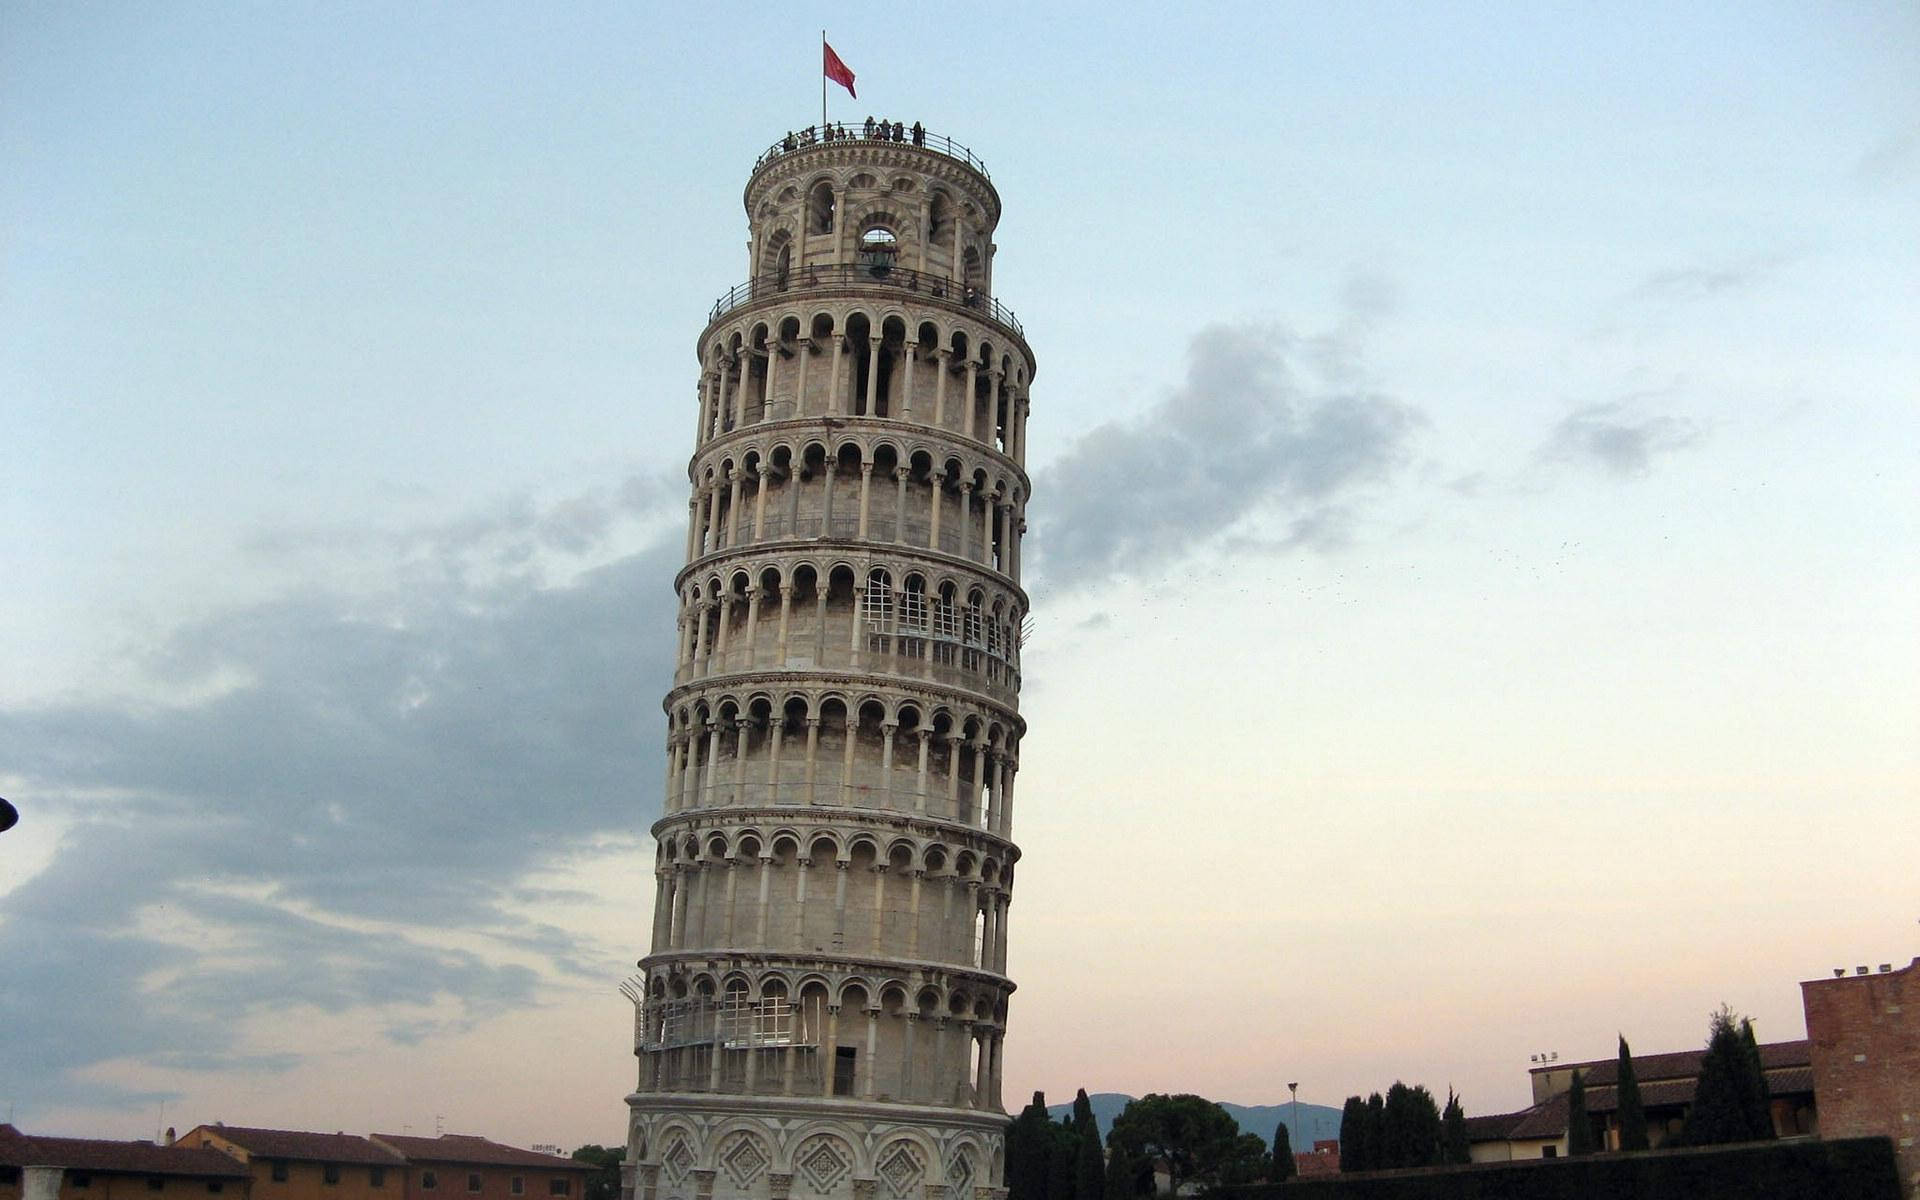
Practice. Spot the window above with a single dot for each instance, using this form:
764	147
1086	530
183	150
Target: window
377	1176
9	1175
559	1187
517	1185
330	1172
1549	1152
428	1181
215	1186
279	1170
80	1179
843	1066
473	1181
156	1183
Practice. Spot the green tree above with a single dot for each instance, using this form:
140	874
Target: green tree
1090	1165
1410	1128
1454	1147
1375	1129
1124	1175
1283	1164
1580	1138
1726	1097
1063	1159
1191	1136
1027	1140
1633	1114
604	1183
1244	1161
1759	1095
1353	1134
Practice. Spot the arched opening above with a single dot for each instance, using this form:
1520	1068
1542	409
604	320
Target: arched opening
820	208
859	351
878	251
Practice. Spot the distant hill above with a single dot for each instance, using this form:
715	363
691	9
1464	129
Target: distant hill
1317	1121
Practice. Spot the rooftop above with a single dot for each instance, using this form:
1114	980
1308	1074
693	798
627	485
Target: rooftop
467	1148
299	1144
134	1158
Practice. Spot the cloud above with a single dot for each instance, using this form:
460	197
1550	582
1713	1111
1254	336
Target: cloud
1679	284
1268	430
348	818
1610	437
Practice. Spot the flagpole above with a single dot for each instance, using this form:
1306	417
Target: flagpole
823	83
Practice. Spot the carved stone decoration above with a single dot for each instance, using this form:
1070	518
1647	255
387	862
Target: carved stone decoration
677	1163
960	1173
822	1163
744	1158
902	1168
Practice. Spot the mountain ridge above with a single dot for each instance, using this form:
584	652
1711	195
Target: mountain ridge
1318	1122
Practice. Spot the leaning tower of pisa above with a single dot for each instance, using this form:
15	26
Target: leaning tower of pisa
822	1010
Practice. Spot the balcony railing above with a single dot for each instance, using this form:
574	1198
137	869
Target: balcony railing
878	131
829	275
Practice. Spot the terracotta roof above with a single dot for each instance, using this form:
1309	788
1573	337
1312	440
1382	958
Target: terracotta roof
1493	1128
1681	1064
465	1148
307	1147
133	1158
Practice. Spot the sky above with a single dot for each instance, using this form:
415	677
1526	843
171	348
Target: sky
1473	549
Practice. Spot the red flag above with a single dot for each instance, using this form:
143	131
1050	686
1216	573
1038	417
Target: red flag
837	70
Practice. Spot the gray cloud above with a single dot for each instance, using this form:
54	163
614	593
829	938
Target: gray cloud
1617	441
338	826
1241	446
1679	284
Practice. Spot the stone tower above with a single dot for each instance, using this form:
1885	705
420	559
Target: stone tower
822	1011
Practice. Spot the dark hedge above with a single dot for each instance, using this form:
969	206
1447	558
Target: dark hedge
1803	1169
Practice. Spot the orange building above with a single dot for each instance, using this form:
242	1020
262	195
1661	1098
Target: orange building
58	1168
287	1164
457	1166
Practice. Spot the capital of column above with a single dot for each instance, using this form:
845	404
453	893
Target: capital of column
779	1185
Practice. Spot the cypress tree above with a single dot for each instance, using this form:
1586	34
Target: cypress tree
1083	1122
1722	1096
1353	1120
1580	1138
1027	1141
1090	1166
1063	1160
1633	1115
1376	1128
1454	1147
1283	1167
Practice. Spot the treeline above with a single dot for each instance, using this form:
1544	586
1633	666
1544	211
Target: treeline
1189	1137
1404	1128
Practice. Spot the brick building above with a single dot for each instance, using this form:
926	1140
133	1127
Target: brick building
292	1164
60	1168
456	1166
1866	1058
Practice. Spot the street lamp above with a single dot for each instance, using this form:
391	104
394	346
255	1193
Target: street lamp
1293	1125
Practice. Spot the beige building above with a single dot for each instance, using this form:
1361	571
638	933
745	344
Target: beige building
822	1009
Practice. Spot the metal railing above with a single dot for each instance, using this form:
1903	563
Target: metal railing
872	131
827	275
954	663
828	791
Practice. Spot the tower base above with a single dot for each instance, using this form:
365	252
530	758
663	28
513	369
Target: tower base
701	1146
